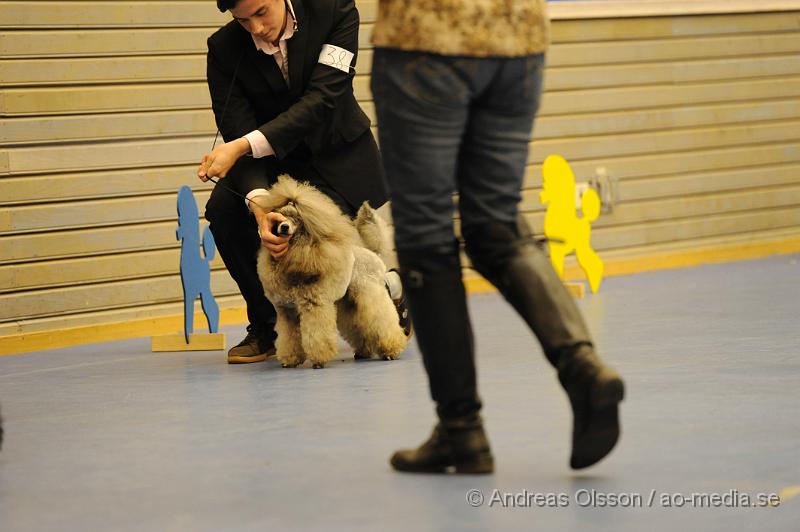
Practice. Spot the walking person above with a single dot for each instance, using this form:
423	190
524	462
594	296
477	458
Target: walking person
456	88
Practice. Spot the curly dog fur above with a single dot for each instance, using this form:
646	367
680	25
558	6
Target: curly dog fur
331	278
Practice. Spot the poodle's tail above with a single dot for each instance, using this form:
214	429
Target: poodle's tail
372	229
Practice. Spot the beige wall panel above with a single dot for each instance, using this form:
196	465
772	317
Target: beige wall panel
52	302
634	190
680	230
706	205
647	96
100	184
709	183
663	27
194	95
697	117
564	78
738	238
588	124
692	228
192	68
665	141
130	14
92	213
625	167
81	42
122	126
99	98
664	118
647	50
103	70
101	317
601	73
113	155
69	272
87	242
364	63
612	238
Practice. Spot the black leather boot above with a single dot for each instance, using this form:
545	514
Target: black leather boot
437	301
507	255
456	446
594	392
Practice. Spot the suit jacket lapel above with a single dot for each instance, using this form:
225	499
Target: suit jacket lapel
269	69
296	47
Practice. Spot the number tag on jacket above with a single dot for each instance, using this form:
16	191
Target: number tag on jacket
336	57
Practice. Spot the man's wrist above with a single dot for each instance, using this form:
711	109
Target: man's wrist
252	202
242	146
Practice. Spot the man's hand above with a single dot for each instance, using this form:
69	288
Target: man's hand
218	162
276	245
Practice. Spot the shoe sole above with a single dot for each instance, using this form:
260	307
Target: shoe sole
235	359
484	465
603	433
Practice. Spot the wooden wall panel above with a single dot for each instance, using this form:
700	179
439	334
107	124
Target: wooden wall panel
104	113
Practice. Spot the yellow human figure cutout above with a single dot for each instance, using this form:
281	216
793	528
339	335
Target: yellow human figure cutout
567	232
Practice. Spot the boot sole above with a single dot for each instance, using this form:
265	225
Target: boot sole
603	433
235	359
483	465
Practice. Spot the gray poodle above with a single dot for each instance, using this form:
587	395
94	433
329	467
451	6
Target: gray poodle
331	277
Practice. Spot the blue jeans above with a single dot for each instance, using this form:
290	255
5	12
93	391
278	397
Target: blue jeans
453	124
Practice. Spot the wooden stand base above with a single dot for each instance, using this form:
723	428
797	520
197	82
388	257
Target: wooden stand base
197	342
578	290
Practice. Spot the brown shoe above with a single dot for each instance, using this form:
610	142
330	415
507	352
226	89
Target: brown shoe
257	346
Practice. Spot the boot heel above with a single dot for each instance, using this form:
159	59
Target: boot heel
483	464
607	393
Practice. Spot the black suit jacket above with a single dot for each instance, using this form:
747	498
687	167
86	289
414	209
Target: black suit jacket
316	118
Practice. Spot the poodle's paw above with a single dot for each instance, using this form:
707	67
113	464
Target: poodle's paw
290	360
318	365
359	355
390	357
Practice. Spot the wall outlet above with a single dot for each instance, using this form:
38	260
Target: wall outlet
606	187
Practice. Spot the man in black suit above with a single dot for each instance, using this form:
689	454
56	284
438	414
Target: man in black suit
281	81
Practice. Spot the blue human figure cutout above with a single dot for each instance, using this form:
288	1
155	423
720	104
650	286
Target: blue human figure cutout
195	270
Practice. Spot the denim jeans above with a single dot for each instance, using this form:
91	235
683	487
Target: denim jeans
453	124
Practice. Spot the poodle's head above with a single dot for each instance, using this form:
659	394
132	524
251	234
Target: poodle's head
311	216
558	181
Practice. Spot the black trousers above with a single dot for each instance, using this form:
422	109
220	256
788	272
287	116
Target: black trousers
236	232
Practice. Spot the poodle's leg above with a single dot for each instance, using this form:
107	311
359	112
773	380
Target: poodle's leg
348	327
591	264
288	345
210	309
558	253
318	332
375	318
188	313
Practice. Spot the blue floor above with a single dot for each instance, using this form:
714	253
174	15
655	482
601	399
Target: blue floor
112	437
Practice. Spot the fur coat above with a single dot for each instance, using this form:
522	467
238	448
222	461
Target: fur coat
476	28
